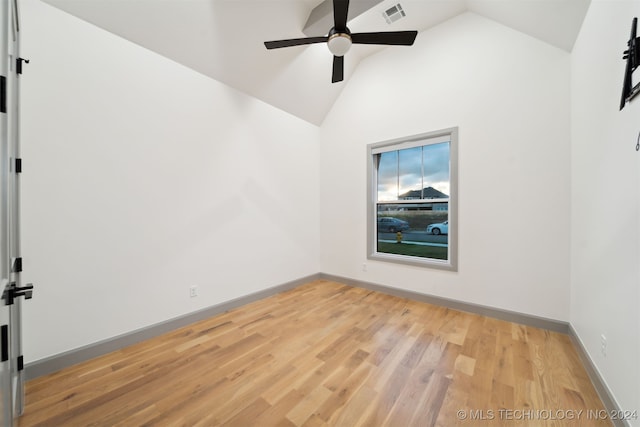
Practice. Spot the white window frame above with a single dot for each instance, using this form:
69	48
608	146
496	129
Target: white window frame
451	135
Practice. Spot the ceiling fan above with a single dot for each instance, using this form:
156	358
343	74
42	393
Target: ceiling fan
339	39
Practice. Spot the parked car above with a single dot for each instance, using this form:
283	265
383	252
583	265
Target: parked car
438	228
391	225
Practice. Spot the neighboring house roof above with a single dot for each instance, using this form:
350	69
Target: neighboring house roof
427	193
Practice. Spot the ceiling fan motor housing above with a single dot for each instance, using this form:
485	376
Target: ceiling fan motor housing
339	42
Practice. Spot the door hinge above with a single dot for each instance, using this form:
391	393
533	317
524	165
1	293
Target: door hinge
19	62
4	337
3	94
11	292
18	165
17	265
20	363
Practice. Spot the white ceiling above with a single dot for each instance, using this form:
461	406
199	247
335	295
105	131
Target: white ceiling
224	39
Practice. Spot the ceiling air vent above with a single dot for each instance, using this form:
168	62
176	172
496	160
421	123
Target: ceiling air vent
393	14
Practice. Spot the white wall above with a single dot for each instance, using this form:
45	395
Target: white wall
605	245
509	95
141	178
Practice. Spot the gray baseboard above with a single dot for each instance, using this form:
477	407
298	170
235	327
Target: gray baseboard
496	313
72	357
63	360
600	385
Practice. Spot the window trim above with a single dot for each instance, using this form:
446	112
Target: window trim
400	143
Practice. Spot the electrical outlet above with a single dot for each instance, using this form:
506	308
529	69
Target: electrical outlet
193	291
603	345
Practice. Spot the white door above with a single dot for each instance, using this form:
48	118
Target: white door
13	292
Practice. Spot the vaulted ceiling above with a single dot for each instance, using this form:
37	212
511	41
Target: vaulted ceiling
224	39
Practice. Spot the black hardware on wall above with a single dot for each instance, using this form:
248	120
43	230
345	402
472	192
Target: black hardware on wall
632	55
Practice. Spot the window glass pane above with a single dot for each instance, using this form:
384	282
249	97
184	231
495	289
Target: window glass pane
413	199
414	229
435	159
388	176
410	173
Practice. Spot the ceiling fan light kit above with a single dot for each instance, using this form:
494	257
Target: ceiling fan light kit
339	43
340	39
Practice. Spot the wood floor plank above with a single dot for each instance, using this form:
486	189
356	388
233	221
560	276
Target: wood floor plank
276	414
358	408
324	354
306	407
342	394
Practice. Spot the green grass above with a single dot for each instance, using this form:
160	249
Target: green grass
409	249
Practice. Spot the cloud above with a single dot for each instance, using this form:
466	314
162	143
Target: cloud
412	169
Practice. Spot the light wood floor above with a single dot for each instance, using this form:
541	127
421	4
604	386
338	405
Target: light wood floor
325	354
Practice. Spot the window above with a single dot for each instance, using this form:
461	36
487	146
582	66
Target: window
412	200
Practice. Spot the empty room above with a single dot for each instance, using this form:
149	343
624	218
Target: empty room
320	213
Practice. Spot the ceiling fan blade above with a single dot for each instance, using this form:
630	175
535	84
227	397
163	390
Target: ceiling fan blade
340	12
404	38
338	69
276	44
